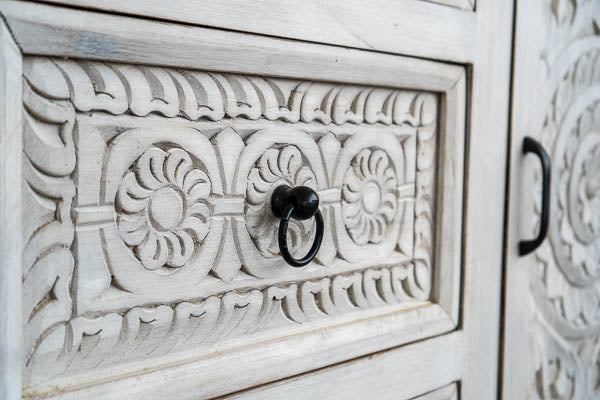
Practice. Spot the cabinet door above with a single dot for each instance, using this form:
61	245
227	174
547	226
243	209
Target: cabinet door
146	156
552	295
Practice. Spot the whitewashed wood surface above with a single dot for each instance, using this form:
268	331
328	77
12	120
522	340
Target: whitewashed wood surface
552	321
119	111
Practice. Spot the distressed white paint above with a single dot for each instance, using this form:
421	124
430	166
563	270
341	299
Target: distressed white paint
191	299
135	256
418	28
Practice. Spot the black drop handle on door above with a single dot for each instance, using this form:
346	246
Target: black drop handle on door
531	145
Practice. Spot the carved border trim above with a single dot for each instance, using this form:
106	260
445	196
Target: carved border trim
96	341
142	90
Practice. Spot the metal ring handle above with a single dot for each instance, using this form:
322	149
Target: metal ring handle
283	246
533	146
299	203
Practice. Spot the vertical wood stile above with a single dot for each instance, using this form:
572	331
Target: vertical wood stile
10	216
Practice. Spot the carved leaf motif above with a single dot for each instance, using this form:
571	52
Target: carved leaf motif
276	167
141	90
370	200
48	161
558	375
144	331
162	211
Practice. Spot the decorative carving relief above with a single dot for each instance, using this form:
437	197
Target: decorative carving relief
162	208
566	285
149	229
157	330
48	229
369	196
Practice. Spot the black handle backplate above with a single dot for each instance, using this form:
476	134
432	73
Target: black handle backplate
531	145
300	202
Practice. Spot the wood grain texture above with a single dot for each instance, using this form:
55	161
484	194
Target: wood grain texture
432	363
419	28
10	216
48	30
349	380
464	4
519	312
485	188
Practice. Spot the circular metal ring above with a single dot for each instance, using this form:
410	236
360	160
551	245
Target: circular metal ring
283	246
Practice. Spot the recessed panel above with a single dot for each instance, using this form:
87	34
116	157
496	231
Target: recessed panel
148	222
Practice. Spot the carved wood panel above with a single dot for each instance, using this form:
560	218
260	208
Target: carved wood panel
565	333
148	228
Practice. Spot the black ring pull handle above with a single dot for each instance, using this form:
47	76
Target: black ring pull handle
533	146
299	203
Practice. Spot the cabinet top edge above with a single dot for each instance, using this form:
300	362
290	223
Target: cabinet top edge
41	29
433	29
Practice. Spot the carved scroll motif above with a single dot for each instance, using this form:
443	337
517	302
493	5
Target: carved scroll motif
48	191
157	330
197	95
168	227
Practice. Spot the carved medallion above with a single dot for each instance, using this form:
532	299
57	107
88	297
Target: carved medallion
566	282
162	208
370	200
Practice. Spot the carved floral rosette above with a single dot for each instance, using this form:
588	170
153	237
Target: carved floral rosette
566	284
171	213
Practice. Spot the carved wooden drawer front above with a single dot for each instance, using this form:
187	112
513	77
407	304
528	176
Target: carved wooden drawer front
148	222
149	242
